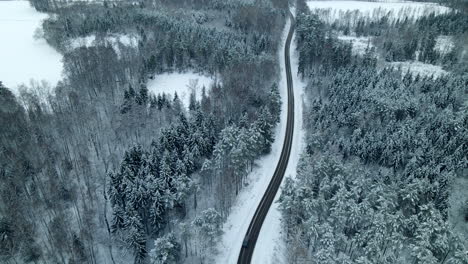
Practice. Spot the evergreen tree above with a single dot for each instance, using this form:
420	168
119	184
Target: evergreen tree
193	104
142	98
177	105
209	224
264	126
274	102
166	250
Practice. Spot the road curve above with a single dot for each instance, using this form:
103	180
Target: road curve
251	236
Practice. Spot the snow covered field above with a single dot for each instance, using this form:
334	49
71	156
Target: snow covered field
23	58
180	83
374	10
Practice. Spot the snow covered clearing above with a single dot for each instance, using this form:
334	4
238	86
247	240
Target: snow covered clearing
114	40
181	83
417	67
444	44
332	10
22	57
244	207
270	247
360	44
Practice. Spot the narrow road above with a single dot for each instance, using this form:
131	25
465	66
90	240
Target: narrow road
251	236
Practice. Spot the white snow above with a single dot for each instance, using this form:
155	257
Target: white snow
180	83
22	57
360	44
417	67
332	10
113	39
248	199
444	44
270	247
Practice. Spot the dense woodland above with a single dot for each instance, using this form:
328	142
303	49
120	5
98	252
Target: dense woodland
385	151
103	171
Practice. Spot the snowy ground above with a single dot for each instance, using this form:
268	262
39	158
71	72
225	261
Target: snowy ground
417	67
181	83
332	10
444	44
114	40
23	58
244	207
360	44
270	248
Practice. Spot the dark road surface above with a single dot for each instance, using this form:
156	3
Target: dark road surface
251	236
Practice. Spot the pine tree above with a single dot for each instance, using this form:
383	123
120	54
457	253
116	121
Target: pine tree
208	224
193	104
274	102
136	237
205	101
166	250
244	121
142	98
118	218
177	105
165	171
264	126
128	101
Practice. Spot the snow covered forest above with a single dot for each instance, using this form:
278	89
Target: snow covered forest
384	176
127	159
101	170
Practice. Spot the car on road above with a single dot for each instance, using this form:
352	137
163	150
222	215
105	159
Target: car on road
245	243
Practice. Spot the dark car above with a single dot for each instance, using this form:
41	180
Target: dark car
245	243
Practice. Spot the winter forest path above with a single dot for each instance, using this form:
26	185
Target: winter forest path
255	226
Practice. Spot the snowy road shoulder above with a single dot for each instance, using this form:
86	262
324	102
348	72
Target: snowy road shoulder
246	203
270	244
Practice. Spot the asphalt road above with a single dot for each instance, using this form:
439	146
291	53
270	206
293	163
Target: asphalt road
251	236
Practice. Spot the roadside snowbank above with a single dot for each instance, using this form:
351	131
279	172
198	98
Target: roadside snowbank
270	247
250	196
181	83
22	57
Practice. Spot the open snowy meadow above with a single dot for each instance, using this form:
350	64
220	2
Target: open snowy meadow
181	83
22	57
